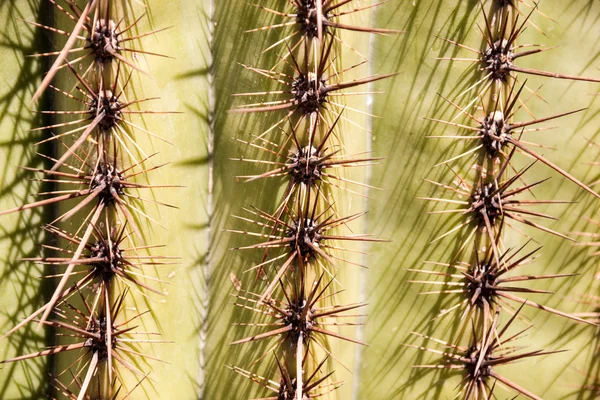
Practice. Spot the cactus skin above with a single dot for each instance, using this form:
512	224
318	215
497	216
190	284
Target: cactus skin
172	82
396	309
385	370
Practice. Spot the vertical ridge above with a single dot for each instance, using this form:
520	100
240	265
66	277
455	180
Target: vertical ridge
363	275
207	272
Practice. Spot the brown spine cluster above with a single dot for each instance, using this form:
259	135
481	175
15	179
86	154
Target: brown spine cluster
97	250
485	280
303	241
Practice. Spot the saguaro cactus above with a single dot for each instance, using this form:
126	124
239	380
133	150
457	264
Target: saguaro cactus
233	200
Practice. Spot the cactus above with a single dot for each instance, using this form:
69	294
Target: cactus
259	182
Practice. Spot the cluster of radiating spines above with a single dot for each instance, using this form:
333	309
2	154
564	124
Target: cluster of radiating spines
486	203
286	388
301	319
107	258
305	166
306	235
95	41
497	63
103	337
487	350
97	256
300	241
305	20
104	116
314	90
488	282
492	136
